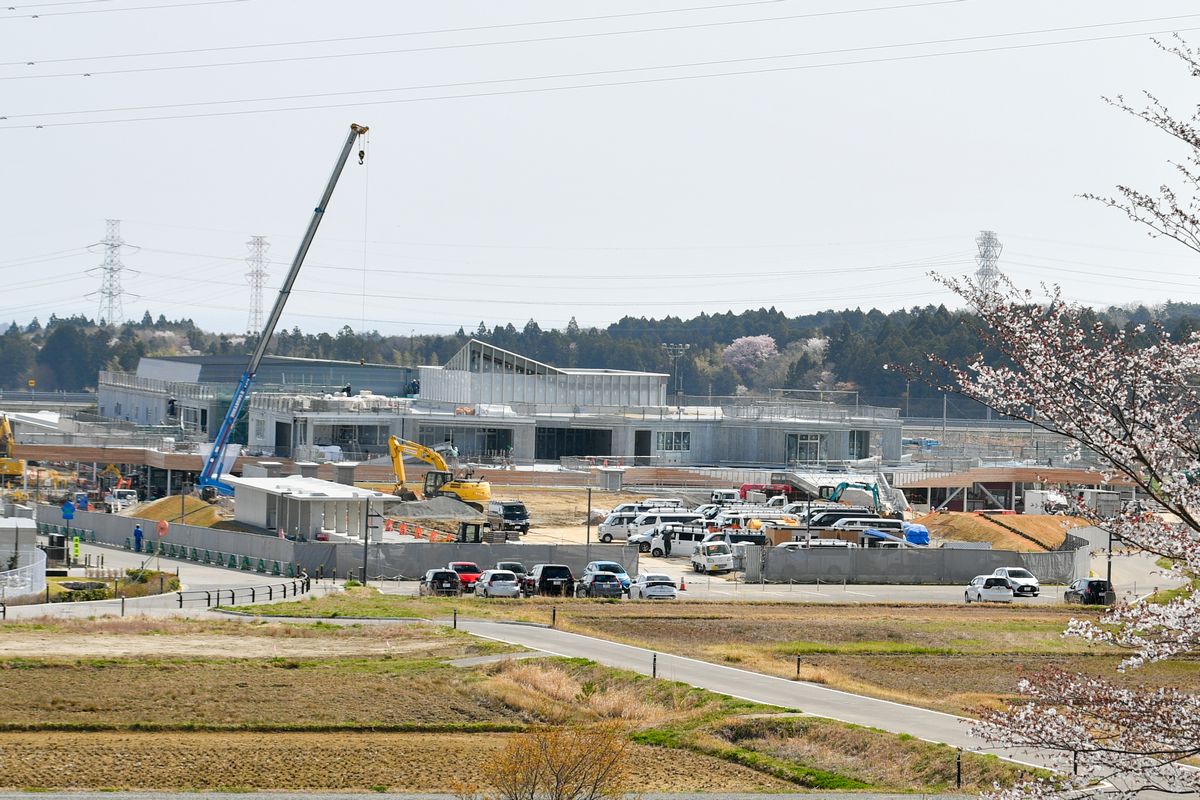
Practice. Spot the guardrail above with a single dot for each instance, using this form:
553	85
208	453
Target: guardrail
246	594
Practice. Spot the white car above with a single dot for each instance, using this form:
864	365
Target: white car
816	544
988	589
712	557
1023	582
652	587
497	583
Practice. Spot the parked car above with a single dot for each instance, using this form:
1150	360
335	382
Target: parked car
654	586
440	581
712	557
611	567
512	566
550	579
1091	592
599	584
508	515
1024	584
468	573
988	588
497	583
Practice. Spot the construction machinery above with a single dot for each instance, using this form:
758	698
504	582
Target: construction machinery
10	466
440	481
210	477
869	488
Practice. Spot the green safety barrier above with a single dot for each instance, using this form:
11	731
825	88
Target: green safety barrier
194	555
128	544
92	536
174	551
291	570
275	570
207	557
262	566
246	562
232	561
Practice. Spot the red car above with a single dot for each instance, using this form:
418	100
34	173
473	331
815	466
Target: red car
468	573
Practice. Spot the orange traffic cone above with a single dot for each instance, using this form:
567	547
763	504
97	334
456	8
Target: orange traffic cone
682	583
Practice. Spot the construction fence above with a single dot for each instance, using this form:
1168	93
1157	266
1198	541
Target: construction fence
938	565
283	557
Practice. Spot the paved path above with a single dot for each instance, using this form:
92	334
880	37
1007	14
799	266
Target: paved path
810	698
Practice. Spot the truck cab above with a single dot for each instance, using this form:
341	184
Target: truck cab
712	557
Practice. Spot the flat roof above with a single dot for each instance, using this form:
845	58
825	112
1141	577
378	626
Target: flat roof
303	488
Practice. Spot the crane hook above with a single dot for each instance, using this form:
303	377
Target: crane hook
362	154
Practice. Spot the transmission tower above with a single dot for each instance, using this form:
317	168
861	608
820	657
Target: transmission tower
988	274
257	277
112	306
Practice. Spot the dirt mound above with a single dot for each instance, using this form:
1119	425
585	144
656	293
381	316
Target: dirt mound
438	508
195	511
1021	532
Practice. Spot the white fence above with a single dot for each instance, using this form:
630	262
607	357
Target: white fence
28	577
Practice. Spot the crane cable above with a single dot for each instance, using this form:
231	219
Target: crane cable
362	330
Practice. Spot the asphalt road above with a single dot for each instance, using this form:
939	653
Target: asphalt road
810	698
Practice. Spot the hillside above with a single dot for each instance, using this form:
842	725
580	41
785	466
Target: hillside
1040	532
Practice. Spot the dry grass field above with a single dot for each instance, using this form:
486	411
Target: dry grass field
207	705
949	658
1046	532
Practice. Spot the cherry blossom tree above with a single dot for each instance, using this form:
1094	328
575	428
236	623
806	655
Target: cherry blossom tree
748	352
1130	397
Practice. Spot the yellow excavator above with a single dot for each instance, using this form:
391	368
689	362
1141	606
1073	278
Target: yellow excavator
10	466
439	481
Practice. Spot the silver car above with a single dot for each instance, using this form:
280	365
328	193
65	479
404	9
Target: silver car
497	583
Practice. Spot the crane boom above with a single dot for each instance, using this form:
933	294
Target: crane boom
210	477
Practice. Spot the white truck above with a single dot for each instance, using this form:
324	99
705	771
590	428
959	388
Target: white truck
712	557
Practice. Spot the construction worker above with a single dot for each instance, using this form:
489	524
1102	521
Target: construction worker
137	538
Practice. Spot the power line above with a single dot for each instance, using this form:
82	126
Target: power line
111	10
606	84
306	42
467	45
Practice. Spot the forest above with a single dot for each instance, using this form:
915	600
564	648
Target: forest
830	354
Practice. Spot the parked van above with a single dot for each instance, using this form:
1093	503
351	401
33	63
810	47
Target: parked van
892	526
826	519
616	525
660	516
684	539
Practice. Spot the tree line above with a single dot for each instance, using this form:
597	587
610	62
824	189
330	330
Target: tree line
754	352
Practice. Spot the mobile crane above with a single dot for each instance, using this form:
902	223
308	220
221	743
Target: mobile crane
439	481
210	477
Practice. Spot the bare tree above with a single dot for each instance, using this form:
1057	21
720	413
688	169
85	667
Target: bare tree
1130	398
560	763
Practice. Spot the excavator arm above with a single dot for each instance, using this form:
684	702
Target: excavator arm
440	480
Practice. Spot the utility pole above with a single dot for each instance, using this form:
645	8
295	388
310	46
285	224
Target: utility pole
257	278
675	352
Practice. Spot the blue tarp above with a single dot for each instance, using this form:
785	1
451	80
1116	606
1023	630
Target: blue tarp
916	534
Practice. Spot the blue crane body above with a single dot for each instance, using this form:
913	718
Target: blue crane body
210	476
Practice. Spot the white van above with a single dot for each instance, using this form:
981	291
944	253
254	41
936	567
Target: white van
738	520
892	526
661	516
616	525
724	497
684	539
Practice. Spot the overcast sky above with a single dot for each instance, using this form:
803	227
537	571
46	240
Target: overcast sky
846	163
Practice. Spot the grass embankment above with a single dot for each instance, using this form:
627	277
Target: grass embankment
1037	532
192	511
948	658
178	716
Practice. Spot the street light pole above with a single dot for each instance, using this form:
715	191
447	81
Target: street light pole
1110	557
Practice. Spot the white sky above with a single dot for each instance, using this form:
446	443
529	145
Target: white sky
808	188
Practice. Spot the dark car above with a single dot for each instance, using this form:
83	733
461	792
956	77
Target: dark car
551	579
440	581
1090	592
508	515
512	566
599	584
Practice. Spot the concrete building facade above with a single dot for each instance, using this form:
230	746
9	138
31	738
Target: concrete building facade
495	405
